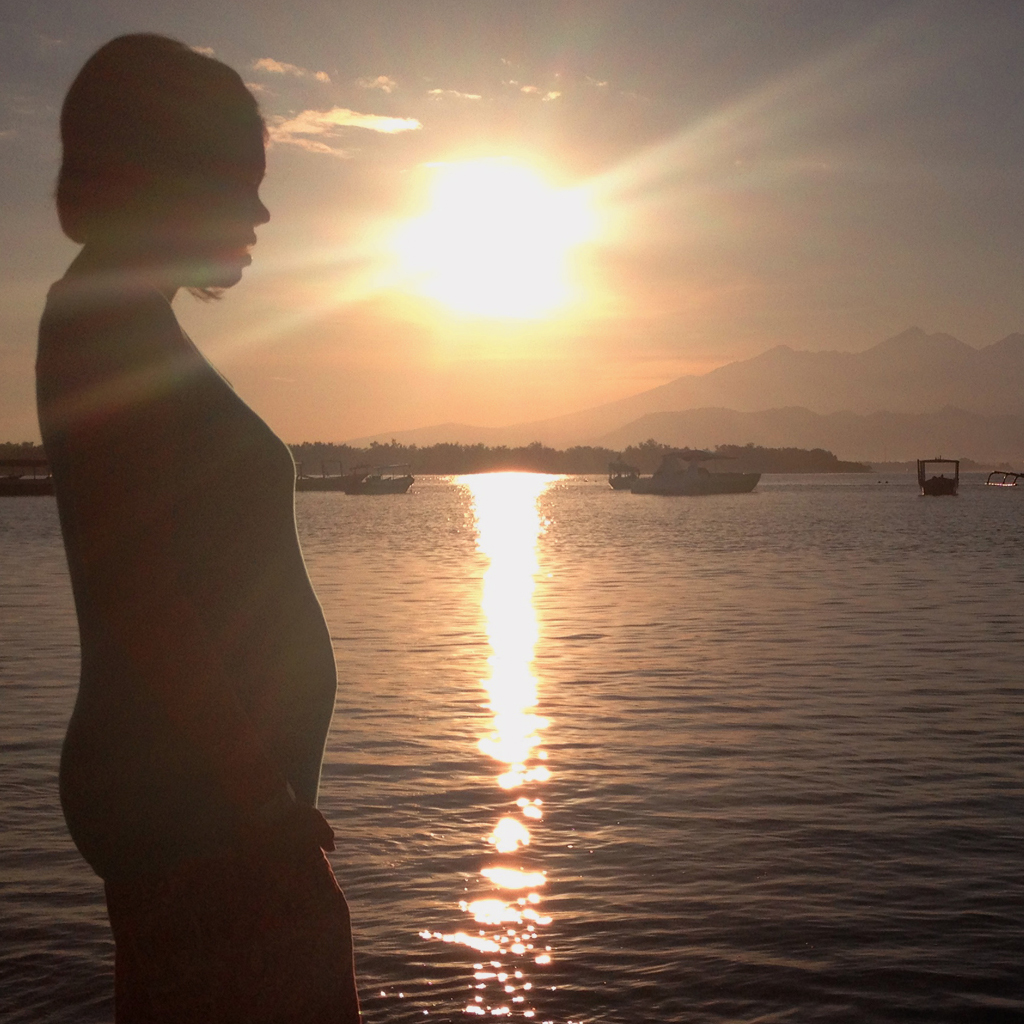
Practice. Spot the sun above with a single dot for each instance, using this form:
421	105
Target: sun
495	240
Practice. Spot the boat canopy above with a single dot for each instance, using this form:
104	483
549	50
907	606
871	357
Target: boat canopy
696	455
1003	478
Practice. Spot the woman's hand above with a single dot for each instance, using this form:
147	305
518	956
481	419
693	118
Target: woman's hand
306	824
284	826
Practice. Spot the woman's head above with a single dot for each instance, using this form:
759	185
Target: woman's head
163	154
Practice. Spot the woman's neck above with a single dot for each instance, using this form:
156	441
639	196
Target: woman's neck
126	267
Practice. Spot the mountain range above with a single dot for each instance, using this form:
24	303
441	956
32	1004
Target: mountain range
913	395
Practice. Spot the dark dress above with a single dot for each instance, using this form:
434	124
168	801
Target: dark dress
208	675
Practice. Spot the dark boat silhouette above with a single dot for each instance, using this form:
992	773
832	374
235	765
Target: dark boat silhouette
681	472
364	479
622	476
15	483
1003	478
378	480
941	484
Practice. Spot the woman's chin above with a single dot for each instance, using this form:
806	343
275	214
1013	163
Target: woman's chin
225	278
222	272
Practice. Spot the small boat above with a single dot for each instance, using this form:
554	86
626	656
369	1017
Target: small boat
622	476
378	480
15	483
364	479
681	472
1003	478
326	481
941	484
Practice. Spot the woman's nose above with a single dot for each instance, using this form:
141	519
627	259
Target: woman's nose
261	212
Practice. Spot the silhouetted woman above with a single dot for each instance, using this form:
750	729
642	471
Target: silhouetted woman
190	769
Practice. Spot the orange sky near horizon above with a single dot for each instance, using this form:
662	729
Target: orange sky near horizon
489	215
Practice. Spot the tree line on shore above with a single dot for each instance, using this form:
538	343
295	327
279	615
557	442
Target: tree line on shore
21	450
538	458
316	456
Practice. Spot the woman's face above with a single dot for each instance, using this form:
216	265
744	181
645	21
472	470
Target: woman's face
210	223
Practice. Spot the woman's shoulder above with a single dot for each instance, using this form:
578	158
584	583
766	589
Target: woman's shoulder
105	349
91	308
94	330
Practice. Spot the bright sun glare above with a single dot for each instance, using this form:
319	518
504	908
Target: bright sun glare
495	240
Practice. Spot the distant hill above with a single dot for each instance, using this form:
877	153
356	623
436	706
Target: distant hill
913	373
443	433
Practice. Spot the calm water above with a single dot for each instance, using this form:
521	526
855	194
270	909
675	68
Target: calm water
600	757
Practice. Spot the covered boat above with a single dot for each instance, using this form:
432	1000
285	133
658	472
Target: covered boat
681	472
324	482
364	479
1003	478
938	484
622	476
16	481
378	480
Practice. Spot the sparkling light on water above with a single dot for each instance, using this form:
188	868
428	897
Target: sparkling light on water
508	527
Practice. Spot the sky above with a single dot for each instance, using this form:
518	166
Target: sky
493	211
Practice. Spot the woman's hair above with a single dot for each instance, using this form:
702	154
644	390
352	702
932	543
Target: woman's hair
145	118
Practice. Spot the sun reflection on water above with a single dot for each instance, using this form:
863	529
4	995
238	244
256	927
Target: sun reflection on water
507	910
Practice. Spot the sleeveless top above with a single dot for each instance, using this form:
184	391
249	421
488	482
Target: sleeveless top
208	677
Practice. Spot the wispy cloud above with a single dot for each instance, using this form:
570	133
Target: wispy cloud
281	67
534	90
206	51
319	122
453	94
382	82
278	67
313	130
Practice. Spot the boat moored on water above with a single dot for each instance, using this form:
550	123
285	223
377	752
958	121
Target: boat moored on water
378	480
1003	478
939	484
16	482
326	481
363	479
622	476
681	472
